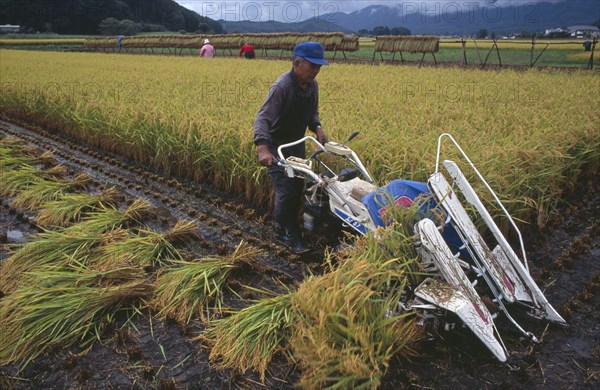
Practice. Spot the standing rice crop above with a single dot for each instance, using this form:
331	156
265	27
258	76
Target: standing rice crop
524	130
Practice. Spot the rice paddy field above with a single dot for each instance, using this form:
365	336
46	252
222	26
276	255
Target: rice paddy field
148	243
531	133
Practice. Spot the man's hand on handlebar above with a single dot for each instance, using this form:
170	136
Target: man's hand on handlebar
321	137
265	157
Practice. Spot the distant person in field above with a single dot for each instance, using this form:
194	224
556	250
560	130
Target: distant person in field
291	106
208	50
247	51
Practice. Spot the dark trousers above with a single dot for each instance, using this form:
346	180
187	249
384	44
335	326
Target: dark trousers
288	199
288	191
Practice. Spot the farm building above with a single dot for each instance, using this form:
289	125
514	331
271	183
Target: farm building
584	31
8	28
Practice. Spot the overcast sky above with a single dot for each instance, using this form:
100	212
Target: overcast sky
296	11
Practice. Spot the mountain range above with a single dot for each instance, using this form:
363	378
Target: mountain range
469	17
309	25
420	17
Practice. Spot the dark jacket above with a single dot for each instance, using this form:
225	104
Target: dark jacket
287	112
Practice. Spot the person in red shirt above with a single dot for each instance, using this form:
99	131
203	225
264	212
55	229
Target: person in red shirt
248	51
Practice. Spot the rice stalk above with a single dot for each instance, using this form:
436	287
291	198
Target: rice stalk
47	248
250	338
18	151
39	192
392	249
11	158
347	331
17	175
343	352
107	219
338	325
349	43
59	247
8	141
279	41
8	160
46	157
196	288
145	248
56	171
181	231
62	306
345	335
71	207
101	43
16	179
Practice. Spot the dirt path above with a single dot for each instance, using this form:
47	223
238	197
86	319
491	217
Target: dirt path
564	259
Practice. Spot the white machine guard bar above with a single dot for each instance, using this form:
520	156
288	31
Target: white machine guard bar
301	140
437	166
354	159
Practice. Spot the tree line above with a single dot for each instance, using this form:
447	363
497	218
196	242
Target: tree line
103	16
383	30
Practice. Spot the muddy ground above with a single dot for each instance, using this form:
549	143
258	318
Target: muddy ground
564	259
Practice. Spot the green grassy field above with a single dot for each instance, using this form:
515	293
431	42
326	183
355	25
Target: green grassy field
553	56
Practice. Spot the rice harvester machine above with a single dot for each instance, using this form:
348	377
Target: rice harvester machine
455	253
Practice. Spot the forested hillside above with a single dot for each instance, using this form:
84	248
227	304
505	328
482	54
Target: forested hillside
85	16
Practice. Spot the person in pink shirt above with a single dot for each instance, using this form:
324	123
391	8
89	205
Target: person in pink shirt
207	50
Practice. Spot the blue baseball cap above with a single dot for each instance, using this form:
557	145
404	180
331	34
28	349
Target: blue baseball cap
312	52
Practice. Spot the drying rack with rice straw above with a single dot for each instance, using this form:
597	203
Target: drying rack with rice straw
405	43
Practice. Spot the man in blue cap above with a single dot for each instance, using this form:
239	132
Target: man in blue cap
291	106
